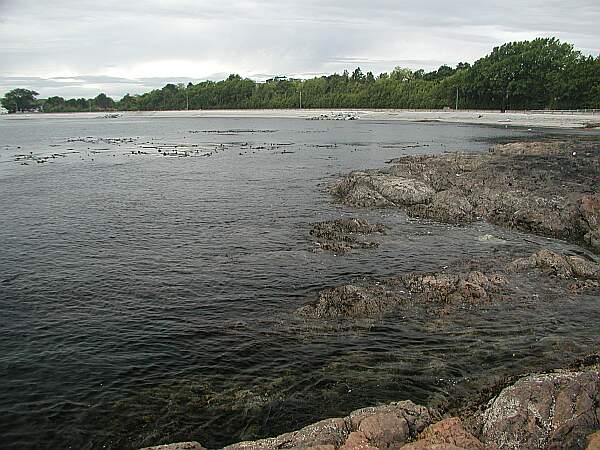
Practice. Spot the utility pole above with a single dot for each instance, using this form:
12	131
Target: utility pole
301	98
187	99
456	98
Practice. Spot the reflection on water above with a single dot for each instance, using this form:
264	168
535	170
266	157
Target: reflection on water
146	298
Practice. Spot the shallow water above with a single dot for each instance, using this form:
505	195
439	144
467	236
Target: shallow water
147	298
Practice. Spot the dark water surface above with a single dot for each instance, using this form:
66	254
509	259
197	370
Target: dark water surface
146	299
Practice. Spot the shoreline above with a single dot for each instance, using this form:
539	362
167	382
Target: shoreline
553	409
536	410
561	120
448	187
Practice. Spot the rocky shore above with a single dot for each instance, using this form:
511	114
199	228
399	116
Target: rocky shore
476	282
556	410
545	188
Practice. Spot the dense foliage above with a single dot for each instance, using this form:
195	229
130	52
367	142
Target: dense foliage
19	100
538	74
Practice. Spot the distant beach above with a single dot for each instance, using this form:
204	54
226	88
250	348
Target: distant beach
550	119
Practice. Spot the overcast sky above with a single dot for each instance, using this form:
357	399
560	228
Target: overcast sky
82	47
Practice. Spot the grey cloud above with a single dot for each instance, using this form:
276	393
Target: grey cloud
391	63
91	85
132	46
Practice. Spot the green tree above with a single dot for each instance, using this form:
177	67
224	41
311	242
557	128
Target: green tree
103	103
521	74
357	76
128	103
54	104
19	100
402	74
543	73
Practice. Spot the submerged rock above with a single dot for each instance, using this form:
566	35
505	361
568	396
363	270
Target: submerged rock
351	301
471	287
343	235
491	239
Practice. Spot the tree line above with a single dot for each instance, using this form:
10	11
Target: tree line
540	74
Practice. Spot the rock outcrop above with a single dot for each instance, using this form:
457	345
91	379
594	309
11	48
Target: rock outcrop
373	298
548	411
379	189
458	286
471	286
551	411
192	445
546	188
386	427
559	265
447	434
351	301
589	208
593	441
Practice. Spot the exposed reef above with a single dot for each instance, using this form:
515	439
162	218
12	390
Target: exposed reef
545	188
343	235
473	283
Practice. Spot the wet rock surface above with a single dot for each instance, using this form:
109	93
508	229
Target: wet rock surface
583	273
352	301
556	410
594	441
373	298
563	266
473	283
385	427
343	235
546	188
177	446
472	286
448	434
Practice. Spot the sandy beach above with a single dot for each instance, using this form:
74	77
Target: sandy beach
495	118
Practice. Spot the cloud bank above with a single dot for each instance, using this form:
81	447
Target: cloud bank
79	48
